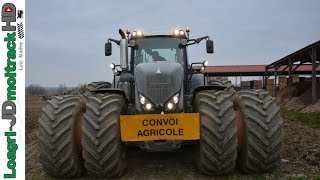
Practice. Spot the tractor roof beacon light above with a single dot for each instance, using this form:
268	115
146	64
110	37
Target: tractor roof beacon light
128	32
187	31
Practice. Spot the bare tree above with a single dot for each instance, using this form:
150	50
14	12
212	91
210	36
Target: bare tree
81	88
36	90
62	89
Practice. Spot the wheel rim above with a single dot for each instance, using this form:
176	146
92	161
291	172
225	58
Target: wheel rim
240	128
79	134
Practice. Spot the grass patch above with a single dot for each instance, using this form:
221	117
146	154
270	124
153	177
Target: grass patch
310	119
317	177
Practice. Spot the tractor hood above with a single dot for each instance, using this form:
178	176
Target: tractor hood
158	81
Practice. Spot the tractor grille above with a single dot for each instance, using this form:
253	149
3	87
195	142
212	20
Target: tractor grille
159	81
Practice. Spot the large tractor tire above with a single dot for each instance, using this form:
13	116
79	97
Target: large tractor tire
98	85
223	82
95	86
57	147
217	150
103	152
260	149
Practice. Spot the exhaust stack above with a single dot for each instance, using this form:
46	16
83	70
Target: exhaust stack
123	50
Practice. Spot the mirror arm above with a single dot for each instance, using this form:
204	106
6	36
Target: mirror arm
114	40
196	41
202	38
182	46
191	43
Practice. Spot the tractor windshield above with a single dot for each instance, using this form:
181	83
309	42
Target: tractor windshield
157	49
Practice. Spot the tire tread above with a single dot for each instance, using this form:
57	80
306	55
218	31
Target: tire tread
218	142
57	150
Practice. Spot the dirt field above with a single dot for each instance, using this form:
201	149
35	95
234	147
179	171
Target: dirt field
301	156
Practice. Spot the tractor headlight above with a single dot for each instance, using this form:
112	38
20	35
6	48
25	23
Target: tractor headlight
170	106
145	103
115	72
112	66
202	69
148	106
176	32
205	63
172	103
175	98
142	100
137	34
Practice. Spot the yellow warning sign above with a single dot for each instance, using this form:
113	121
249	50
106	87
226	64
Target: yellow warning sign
180	126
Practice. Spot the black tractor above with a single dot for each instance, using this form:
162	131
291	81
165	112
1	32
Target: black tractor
158	101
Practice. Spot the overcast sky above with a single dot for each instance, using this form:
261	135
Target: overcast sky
65	39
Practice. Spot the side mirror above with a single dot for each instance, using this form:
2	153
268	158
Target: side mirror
210	46
108	49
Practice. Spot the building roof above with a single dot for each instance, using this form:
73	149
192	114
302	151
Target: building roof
302	56
301	60
255	70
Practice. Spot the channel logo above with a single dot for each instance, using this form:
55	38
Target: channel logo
9	108
8	15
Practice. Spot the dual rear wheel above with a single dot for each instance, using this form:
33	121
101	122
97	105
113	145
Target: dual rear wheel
100	152
244	128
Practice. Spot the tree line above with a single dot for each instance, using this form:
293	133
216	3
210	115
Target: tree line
38	90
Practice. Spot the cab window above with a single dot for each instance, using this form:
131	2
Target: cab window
157	50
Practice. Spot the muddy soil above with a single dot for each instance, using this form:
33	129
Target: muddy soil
301	156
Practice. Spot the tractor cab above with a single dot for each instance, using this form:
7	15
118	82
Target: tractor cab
157	49
158	70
